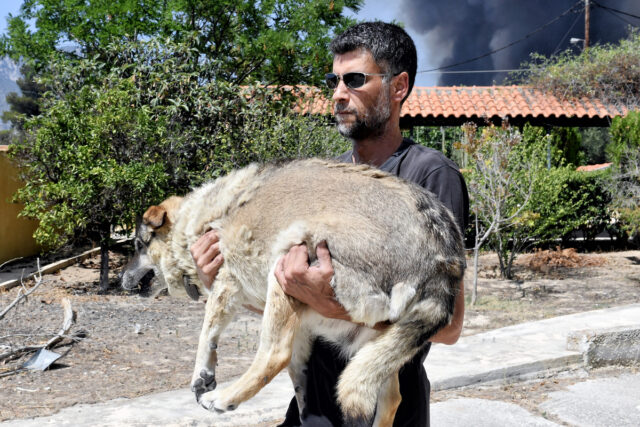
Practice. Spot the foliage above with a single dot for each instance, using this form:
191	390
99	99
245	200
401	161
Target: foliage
624	151
563	146
608	72
501	179
568	141
625	136
565	200
275	42
594	142
112	141
432	136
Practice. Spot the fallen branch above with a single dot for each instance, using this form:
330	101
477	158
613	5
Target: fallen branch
22	294
69	319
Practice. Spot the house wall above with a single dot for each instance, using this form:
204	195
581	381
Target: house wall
16	234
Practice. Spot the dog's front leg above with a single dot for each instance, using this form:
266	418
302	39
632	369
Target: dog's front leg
218	313
279	324
298	367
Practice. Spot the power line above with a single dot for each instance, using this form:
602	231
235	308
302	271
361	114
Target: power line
473	71
537	30
616	10
615	15
565	35
620	18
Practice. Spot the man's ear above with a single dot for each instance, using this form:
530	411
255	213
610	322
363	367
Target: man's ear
155	217
400	86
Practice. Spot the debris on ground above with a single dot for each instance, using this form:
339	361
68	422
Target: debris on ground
544	260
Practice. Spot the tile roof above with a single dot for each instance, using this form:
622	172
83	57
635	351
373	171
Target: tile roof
499	102
464	103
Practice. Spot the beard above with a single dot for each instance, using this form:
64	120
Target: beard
367	124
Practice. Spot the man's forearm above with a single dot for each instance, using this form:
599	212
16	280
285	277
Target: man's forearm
450	333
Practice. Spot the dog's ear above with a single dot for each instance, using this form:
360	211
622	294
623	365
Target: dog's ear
161	218
155	217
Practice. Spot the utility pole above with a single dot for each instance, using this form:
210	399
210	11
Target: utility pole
586	24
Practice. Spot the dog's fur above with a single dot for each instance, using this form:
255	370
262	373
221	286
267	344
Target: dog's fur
396	251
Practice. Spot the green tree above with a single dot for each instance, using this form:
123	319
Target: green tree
113	140
500	182
274	42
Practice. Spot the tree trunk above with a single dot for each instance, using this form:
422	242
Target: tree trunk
104	260
476	250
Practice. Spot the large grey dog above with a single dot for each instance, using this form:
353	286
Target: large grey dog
396	251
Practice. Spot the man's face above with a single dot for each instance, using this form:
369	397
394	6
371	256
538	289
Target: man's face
363	112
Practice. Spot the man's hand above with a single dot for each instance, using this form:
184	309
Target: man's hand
206	254
310	285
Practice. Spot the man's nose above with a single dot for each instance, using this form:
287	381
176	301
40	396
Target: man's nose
341	92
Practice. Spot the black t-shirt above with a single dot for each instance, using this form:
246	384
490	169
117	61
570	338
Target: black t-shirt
433	171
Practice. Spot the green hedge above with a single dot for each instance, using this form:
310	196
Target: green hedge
566	201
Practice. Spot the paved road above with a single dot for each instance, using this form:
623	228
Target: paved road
500	355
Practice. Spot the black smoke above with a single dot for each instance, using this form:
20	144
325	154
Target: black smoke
458	30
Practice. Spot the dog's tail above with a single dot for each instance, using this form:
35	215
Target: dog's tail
372	365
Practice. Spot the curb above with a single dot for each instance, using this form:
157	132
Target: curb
592	349
512	373
58	265
611	346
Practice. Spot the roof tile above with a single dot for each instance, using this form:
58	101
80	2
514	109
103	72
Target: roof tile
480	101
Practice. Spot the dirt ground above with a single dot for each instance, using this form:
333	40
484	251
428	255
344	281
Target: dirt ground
126	345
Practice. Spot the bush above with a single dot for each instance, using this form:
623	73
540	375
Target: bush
624	187
565	201
625	137
610	73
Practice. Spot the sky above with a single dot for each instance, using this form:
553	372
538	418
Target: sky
7	7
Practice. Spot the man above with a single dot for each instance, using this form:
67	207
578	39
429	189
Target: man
374	68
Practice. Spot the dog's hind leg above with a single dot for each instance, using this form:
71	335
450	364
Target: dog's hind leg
279	324
367	372
218	313
389	399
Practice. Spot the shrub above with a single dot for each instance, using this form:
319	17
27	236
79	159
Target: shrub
566	201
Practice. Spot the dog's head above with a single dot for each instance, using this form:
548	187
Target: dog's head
153	252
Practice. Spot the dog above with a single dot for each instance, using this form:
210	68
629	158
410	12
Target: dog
396	251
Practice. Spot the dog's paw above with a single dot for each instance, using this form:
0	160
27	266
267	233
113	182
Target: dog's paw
358	405
204	383
216	402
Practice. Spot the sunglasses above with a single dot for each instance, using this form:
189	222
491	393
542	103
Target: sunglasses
351	80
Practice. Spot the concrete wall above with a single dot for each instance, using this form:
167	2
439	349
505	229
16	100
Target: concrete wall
15	233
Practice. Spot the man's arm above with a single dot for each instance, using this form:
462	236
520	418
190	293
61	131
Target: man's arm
450	333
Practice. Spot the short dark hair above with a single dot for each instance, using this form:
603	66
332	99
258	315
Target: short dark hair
391	47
